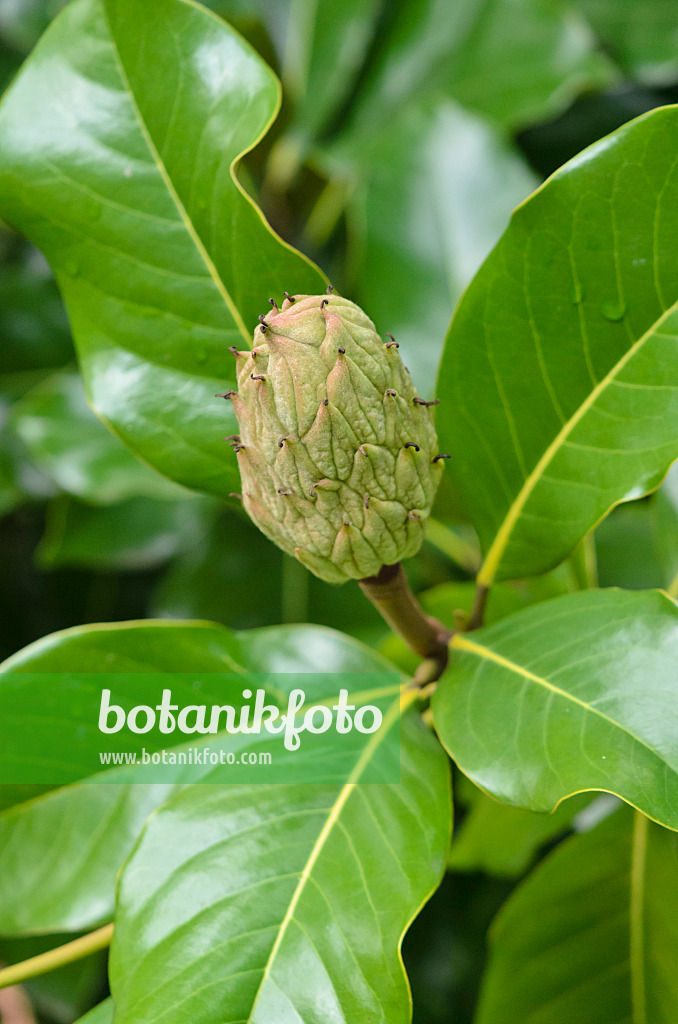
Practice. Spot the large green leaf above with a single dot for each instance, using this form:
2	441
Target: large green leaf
577	693
60	852
559	380
118	143
592	935
64	847
269	903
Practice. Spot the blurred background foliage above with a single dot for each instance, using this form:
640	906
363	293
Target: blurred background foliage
409	131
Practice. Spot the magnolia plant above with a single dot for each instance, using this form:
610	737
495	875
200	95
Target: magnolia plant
120	143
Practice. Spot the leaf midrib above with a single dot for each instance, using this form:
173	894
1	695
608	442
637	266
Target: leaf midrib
174	195
503	536
462	643
406	698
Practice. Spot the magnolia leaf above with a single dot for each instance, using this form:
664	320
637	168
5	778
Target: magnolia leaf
577	693
118	146
276	903
65	846
559	380
592	934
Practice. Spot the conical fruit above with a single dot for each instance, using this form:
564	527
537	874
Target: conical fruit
338	455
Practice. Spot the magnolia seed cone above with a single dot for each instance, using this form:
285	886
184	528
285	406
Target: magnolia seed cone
337	453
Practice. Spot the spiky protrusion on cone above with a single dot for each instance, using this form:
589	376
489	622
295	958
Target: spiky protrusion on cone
337	459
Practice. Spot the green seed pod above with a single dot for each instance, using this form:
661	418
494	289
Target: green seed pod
337	454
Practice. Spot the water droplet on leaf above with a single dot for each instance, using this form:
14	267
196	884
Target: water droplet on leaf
613	310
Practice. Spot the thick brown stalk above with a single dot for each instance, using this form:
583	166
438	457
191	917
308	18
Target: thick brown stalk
391	595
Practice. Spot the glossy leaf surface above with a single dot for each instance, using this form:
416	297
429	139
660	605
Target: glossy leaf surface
60	853
559	381
282	903
592	934
117	143
578	693
65	847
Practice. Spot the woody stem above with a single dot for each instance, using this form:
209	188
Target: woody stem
390	593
